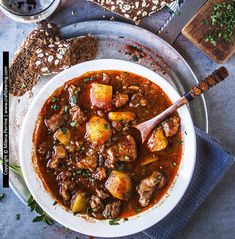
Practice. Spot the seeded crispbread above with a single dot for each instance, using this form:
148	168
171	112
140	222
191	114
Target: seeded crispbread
55	57
21	78
134	10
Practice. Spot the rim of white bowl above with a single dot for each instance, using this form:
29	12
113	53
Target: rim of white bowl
101	228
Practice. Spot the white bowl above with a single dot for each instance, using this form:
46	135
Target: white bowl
96	227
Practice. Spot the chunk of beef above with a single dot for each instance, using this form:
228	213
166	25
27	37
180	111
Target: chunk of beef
88	162
63	176
65	188
60	153
54	163
171	126
101	194
125	150
110	160
138	100
148	185
55	121
99	174
77	115
112	210
66	185
120	99
96	204
43	148
117	125
65	194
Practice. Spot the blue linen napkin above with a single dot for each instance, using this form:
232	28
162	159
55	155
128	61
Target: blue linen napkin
211	164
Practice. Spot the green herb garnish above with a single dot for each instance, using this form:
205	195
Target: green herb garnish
179	141
42	215
120	167
74	99
72	123
17	216
126	219
135	58
205	22
53	99
138	210
55	107
114	221
1	196
88	210
66	109
64	130
88	79
24	85
106	126
14	168
222	23
55	203
126	157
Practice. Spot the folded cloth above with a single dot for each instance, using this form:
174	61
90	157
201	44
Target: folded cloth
211	164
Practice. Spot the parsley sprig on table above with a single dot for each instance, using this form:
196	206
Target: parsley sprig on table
222	23
14	168
42	216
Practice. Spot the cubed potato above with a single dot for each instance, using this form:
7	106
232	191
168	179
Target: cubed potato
79	203
98	130
119	185
63	135
157	140
148	159
101	95
121	116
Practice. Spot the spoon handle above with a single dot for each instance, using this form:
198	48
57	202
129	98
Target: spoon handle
216	77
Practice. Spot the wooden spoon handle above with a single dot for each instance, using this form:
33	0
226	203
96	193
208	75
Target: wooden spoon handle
216	77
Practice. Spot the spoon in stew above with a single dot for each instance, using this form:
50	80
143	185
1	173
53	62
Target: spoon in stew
216	77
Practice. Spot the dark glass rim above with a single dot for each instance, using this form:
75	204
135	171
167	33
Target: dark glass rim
31	15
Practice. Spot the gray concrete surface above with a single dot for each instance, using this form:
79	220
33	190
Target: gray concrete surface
216	216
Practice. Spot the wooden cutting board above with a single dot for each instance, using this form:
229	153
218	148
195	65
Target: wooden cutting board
197	31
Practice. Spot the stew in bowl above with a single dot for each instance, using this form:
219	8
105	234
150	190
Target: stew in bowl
87	156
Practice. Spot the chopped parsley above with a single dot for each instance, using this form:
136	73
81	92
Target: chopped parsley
135	58
55	107
138	210
222	23
126	157
88	210
1	196
66	109
64	130
106	126
54	203
17	216
179	141
74	99
126	219
24	85
120	167
53	99
88	79
114	221
72	123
